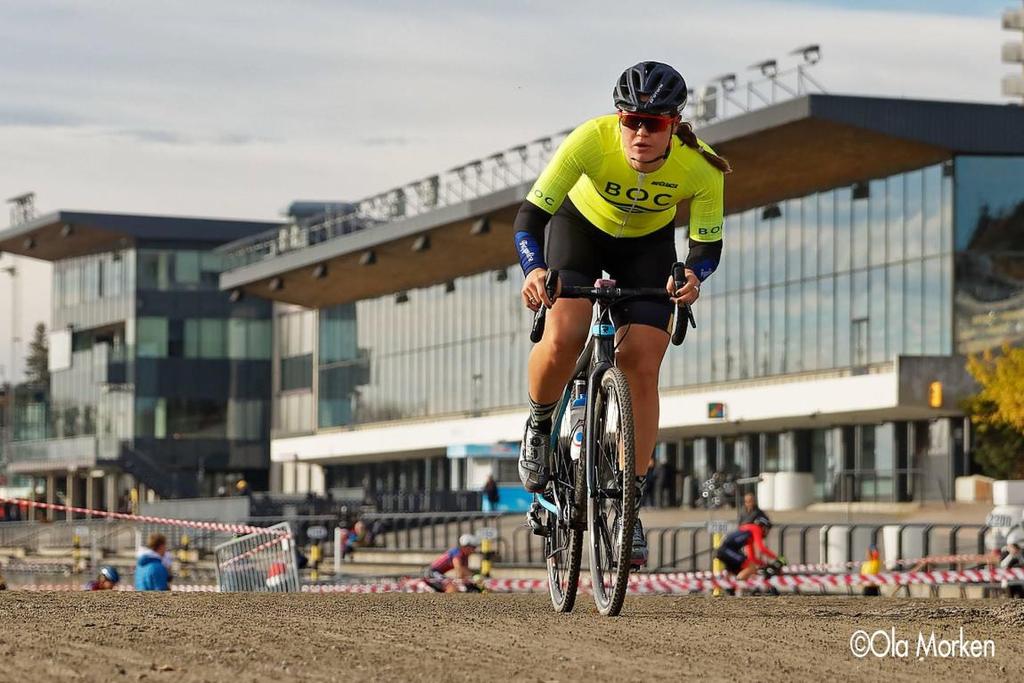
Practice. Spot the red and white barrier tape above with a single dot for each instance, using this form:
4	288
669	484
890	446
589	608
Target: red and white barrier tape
211	526
76	588
841	566
648	584
673	584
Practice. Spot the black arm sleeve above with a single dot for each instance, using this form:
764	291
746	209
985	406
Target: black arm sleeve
529	235
532	219
704	257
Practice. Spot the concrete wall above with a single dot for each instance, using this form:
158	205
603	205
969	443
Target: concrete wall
233	509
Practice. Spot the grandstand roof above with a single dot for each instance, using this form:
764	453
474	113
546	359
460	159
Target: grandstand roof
786	150
64	234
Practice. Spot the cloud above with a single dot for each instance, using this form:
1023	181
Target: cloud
387	141
163	137
263	101
12	114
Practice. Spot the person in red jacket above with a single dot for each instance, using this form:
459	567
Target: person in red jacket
743	551
452	560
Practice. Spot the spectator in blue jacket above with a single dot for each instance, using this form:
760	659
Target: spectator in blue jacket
151	566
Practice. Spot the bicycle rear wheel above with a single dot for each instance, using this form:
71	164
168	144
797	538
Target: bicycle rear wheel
611	506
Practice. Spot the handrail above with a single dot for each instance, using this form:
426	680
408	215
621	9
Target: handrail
499	171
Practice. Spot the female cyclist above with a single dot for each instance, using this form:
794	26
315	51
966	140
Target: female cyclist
608	198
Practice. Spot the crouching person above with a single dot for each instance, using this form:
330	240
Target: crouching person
152	566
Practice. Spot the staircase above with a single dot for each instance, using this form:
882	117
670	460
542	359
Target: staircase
165	482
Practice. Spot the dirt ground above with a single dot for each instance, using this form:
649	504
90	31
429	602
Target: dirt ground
464	637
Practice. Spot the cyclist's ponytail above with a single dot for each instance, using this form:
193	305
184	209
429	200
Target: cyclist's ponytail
685	133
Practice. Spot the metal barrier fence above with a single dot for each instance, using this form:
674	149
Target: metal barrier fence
685	547
688	547
118	536
428	531
261	562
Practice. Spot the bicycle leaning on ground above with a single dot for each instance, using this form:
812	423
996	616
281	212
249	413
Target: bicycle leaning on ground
592	484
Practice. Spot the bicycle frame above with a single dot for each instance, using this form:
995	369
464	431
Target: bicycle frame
597	357
602	358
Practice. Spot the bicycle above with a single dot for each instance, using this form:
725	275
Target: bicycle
603	480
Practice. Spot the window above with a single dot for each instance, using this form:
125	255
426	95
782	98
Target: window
894	217
211	338
861	235
204	338
90	279
296	373
186	268
151	337
154	270
843	231
876	223
913	208
151	417
196	418
73	283
246	419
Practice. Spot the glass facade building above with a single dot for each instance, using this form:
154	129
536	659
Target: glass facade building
154	372
925	262
837	279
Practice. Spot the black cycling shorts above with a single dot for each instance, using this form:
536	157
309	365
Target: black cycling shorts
581	252
731	558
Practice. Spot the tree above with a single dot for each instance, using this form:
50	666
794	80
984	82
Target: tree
37	363
997	412
998	448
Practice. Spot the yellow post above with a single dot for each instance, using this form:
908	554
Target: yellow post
183	554
487	556
716	564
314	560
76	554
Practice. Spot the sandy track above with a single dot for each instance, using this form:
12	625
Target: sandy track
236	637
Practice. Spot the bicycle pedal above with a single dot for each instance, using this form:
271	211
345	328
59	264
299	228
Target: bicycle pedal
534	522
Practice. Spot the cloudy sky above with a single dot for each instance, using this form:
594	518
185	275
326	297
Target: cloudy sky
234	108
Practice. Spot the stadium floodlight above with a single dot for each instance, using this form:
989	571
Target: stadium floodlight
320	271
1013	53
521	151
769	68
368	258
811	53
727	81
401	297
499	160
707	104
1013	85
66	230
276	284
422	243
481	226
1013	20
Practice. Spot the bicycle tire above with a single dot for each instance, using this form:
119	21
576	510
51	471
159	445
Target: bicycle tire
609	574
563	585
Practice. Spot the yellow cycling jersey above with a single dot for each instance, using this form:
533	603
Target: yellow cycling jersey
590	167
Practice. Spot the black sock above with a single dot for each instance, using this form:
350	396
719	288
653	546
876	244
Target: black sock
541	414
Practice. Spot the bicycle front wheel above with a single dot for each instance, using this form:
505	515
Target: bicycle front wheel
611	505
563	545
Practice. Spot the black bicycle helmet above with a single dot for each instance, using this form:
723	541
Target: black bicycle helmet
650	88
